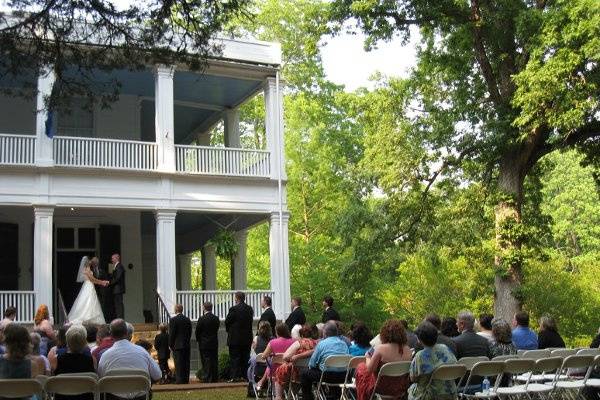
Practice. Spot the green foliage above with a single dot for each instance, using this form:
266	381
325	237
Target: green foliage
226	246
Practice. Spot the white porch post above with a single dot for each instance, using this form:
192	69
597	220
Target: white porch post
44	156
274	127
185	271
280	263
42	256
231	125
164	119
209	268
238	276
165	257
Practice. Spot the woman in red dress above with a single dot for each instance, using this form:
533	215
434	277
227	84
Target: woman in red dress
303	348
393	348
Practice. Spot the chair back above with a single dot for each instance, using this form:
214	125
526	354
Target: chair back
70	385
338	361
470	361
277	358
127	372
394	369
355	361
260	358
563	352
124	384
536	354
484	369
505	357
518	366
448	372
577	362
588	352
547	364
88	374
17	388
301	362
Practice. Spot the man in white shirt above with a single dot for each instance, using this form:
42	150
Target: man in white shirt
123	354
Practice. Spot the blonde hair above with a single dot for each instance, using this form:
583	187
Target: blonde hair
76	338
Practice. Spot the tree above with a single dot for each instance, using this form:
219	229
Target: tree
498	85
78	38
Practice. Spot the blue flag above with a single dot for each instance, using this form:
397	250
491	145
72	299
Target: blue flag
50	124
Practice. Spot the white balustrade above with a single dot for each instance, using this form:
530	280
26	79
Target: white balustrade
17	149
222	301
23	301
223	161
105	153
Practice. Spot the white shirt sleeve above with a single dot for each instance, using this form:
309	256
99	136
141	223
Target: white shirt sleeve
154	369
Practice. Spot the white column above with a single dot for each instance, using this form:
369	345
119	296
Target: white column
185	271
238	275
209	268
43	148
280	263
274	127
164	119
42	256
166	277
231	125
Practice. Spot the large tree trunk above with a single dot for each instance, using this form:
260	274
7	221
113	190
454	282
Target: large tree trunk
508	220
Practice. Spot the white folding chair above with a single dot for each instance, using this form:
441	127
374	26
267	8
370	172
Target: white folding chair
536	354
70	385
298	367
337	362
349	387
127	372
535	385
446	373
563	353
20	388
484	369
538	374
395	370
260	361
506	357
125	386
594	382
571	388
468	362
589	352
514	368
88	374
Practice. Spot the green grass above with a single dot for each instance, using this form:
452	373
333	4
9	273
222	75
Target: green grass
206	394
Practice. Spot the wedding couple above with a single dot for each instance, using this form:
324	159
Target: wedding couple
87	307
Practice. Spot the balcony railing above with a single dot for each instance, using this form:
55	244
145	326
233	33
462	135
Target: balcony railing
17	149
105	153
222	161
222	301
23	301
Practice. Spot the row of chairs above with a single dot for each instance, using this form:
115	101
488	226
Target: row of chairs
121	383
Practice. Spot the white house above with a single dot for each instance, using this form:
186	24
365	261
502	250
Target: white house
141	179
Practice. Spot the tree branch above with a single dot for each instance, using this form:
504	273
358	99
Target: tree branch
578	136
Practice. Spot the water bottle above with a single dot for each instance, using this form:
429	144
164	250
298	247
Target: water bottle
485	386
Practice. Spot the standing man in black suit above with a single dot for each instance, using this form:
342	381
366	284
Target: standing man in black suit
267	314
101	290
180	333
297	316
239	336
329	314
117	284
207	330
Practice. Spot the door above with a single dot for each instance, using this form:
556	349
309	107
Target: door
9	256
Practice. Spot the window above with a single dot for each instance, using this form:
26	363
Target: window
87	238
65	238
75	121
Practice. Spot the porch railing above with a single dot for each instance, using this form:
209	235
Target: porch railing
222	301
223	161
23	301
105	153
17	149
163	313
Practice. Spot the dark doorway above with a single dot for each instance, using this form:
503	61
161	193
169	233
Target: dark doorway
9	256
67	266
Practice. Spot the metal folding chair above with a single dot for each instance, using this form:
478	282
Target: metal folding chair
349	387
20	388
125	386
338	362
394	370
446	372
294	386
484	369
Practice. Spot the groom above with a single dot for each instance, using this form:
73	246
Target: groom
117	284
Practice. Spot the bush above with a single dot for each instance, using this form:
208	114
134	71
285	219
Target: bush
223	367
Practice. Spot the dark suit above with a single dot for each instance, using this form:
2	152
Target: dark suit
330	315
297	317
470	344
101	291
269	316
163	353
239	338
117	284
180	333
441	339
207	336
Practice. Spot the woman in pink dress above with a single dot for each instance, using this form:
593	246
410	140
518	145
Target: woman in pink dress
278	345
393	348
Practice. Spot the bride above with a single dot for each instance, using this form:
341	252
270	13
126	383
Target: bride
87	308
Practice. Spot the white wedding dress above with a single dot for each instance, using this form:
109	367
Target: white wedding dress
86	308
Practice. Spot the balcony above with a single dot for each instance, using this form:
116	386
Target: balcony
132	155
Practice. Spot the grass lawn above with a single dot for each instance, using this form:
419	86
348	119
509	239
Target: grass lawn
207	394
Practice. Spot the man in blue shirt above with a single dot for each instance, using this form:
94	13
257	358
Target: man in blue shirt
523	338
331	345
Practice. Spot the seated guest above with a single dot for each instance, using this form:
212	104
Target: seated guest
279	345
104	342
35	351
16	363
523	337
393	347
331	345
361	336
124	354
485	327
449	328
92	332
411	338
59	348
301	348
549	336
76	359
262	338
9	316
425	362
329	314
42	325
502	344
468	343
434	320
